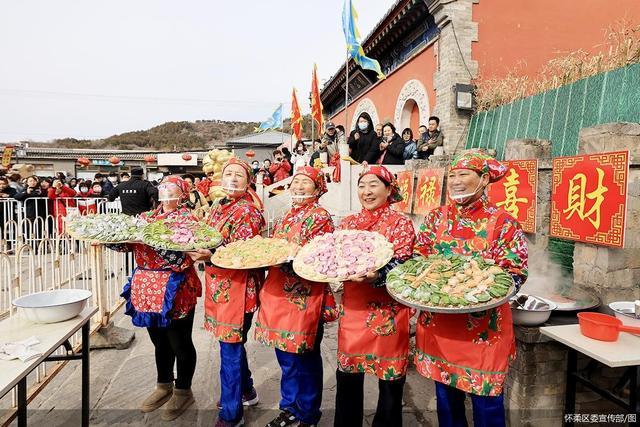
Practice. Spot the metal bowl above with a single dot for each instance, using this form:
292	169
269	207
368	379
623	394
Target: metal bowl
52	306
532	314
625	311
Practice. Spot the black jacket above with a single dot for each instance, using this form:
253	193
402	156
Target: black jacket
136	195
365	148
394	152
36	207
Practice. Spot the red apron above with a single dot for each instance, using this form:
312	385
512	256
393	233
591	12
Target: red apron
224	303
373	330
290	310
470	352
290	307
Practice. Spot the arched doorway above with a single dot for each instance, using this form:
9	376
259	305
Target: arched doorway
412	106
409	117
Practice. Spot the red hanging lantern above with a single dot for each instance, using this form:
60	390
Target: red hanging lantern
83	161
186	157
250	154
149	158
114	160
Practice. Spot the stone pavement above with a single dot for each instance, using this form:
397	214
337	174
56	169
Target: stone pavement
121	379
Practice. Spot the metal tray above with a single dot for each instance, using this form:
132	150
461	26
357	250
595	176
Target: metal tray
454	310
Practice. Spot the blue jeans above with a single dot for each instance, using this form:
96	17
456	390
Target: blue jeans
301	383
488	411
235	376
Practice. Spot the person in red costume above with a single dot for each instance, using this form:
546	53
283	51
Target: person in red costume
373	333
293	310
161	295
470	353
231	296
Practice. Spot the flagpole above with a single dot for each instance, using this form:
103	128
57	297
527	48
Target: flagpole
346	98
312	120
282	124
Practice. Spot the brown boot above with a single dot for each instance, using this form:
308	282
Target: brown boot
180	402
160	395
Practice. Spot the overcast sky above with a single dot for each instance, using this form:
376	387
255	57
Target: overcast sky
89	69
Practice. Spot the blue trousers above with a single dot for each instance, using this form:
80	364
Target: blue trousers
235	376
488	411
301	383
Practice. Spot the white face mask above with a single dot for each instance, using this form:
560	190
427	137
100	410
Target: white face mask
230	187
166	193
463	198
297	198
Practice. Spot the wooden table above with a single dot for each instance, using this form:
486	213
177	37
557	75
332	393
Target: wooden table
622	353
51	336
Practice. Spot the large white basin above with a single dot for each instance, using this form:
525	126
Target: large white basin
52	306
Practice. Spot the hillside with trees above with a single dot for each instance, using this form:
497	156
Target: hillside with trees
168	136
173	136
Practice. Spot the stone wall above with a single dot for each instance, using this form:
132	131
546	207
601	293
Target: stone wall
455	65
613	274
535	386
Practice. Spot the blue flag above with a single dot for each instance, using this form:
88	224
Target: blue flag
273	122
351	36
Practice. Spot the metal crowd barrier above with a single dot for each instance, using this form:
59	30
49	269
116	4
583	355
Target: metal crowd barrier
36	254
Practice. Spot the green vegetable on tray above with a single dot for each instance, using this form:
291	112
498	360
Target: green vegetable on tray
449	281
180	235
104	228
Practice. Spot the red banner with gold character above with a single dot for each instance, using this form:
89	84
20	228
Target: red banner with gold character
516	192
405	181
428	190
7	153
589	198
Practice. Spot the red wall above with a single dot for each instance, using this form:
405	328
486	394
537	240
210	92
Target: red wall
511	30
385	93
415	119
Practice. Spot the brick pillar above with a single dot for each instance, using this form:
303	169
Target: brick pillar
457	32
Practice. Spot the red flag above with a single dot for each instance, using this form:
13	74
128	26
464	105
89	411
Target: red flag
316	104
296	117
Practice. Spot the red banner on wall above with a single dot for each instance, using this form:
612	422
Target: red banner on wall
516	192
405	181
428	190
589	198
7	154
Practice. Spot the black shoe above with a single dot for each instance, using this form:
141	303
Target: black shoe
285	418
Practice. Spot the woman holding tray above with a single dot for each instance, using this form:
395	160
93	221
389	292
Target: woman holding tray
231	296
161	296
470	353
373	333
293	310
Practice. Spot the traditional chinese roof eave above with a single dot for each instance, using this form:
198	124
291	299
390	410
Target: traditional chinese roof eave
383	35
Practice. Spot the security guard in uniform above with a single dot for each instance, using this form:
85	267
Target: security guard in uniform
137	195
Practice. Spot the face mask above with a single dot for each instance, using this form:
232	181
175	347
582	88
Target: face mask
83	189
230	187
166	192
301	197
463	198
363	125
